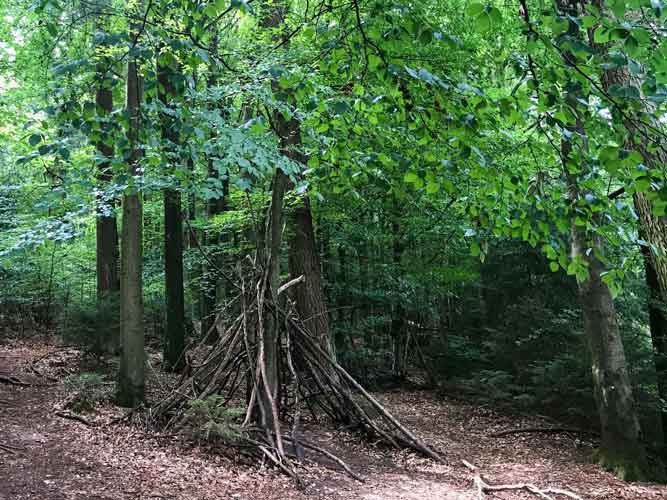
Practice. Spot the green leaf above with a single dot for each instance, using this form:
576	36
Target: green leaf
475	9
35	139
411	177
483	22
601	35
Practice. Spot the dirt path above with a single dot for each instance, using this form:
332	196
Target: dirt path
58	459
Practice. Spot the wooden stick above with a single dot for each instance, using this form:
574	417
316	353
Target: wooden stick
311	446
11	380
78	418
484	487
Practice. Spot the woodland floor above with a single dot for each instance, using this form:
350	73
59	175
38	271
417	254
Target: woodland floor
52	458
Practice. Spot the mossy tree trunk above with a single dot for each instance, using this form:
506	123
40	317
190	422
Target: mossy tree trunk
621	450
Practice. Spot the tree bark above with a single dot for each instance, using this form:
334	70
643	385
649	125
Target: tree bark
174	342
131	372
621	450
304	259
108	282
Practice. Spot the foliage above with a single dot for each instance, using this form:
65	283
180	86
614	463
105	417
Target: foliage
94	326
85	390
212	420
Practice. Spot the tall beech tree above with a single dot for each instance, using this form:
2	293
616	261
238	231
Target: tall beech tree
638	136
131	377
621	448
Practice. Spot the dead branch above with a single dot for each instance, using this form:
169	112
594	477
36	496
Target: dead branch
291	283
543	430
11	380
125	417
483	487
333	457
78	418
11	449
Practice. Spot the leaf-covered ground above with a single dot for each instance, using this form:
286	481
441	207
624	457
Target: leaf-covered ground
47	457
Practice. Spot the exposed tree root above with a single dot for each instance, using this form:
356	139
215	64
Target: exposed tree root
483	487
309	379
543	430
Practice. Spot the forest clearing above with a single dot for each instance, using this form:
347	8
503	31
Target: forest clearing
365	249
53	458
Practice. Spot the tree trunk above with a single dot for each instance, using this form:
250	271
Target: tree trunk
270	252
131	372
304	259
174	342
654	230
620	449
108	282
398	323
106	230
214	206
658	325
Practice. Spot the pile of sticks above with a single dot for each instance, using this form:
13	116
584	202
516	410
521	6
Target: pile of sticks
309	380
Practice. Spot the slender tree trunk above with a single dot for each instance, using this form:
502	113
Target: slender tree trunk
214	206
108	281
346	310
131	372
106	231
398	323
174	342
287	131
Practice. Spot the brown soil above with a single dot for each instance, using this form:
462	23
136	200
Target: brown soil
52	458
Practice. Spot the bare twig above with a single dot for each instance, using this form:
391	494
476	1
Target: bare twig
78	418
483	487
11	380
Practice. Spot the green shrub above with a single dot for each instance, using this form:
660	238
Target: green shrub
94	326
210	420
86	390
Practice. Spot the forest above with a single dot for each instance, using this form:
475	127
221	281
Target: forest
341	249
